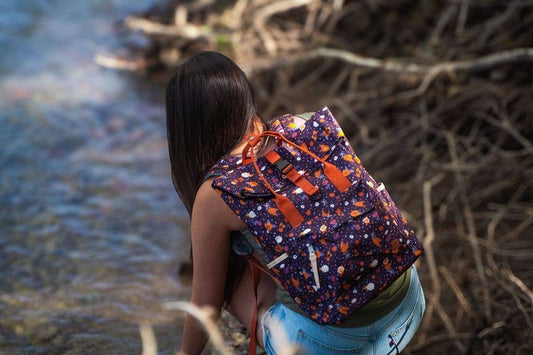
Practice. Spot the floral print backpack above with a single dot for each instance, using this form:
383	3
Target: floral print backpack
333	236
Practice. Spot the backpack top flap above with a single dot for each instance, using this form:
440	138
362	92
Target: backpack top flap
241	188
350	245
321	134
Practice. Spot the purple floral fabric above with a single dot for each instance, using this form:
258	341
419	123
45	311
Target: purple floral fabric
350	246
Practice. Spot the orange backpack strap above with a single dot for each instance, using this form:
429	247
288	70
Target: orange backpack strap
256	268
256	276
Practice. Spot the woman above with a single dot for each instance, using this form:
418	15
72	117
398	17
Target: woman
210	110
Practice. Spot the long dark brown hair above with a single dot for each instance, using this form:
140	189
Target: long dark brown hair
210	108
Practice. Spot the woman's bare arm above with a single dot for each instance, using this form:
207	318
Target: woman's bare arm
211	225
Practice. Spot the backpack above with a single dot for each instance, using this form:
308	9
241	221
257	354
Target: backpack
333	236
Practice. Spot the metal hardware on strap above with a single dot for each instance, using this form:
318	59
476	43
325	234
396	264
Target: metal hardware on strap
286	207
282	164
288	170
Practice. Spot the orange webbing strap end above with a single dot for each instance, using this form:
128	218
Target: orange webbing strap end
287	208
284	204
340	181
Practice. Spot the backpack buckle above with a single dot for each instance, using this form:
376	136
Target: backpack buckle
283	165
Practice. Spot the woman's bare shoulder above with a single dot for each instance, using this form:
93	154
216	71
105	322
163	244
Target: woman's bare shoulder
209	206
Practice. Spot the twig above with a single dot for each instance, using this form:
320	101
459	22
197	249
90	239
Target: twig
517	231
187	31
496	23
512	277
262	15
406	67
471	229
199	5
424	85
428	247
268	41
443	20
518	303
119	63
457	290
339	80
280	6
490	237
461	19
490	329
237	12
204	316
449	326
506	125
430	72
310	21
148	339
180	16
337	10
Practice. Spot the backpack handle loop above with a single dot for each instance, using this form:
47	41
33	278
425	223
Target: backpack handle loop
286	207
284	204
333	174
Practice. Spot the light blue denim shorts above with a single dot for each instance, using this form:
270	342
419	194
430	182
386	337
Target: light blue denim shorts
282	327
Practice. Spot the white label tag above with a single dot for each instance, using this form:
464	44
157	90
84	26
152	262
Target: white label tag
278	260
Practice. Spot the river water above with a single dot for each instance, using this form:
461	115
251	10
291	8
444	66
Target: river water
91	230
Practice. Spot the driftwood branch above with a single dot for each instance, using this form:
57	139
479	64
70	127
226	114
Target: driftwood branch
428	71
428	247
400	66
187	31
469	218
113	62
279	6
465	304
264	13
